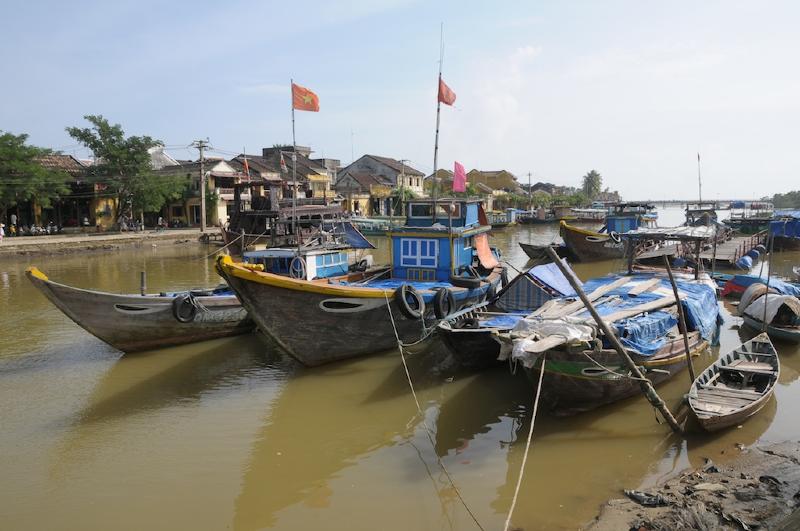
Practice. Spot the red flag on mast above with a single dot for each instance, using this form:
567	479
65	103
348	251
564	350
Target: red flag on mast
446	94
303	99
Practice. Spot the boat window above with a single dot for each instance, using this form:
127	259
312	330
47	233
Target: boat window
444	210
420	210
418	252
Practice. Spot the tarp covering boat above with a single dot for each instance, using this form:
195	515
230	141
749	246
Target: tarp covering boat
773	303
349	233
699	300
647	333
533	288
789	228
739	283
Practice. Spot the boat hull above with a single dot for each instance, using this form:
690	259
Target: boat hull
589	246
318	323
573	384
133	323
788	334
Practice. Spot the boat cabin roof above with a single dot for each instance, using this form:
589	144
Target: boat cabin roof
693	233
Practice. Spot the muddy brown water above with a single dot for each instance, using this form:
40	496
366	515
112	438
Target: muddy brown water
229	434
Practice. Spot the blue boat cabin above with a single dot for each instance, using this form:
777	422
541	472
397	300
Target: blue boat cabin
433	246
626	217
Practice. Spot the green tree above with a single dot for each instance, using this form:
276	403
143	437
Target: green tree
23	178
787	200
123	164
592	184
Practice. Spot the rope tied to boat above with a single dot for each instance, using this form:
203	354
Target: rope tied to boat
422	415
610	371
527	444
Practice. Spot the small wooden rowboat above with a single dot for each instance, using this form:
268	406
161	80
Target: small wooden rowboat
132	323
736	386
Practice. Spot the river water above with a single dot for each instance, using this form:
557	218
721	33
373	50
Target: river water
229	434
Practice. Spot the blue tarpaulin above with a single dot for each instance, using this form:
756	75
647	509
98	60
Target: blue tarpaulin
785	227
646	334
699	304
550	275
787	214
781	286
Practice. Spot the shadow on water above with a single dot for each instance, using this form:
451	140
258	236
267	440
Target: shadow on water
147	382
320	425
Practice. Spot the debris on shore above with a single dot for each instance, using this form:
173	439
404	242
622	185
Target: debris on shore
760	489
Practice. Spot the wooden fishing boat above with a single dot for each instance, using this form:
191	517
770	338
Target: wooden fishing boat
537	252
472	334
132	323
582	370
432	275
781	313
737	386
606	244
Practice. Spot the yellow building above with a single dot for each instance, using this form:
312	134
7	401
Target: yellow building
500	180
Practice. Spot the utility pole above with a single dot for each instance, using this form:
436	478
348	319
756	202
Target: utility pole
201	145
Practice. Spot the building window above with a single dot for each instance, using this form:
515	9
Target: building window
418	252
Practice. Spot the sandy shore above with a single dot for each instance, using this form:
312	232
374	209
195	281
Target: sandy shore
759	489
70	243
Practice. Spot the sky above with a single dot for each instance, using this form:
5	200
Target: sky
632	89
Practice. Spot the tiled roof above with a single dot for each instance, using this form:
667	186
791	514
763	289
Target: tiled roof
396	165
66	163
365	180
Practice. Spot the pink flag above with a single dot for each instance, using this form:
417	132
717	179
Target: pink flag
459	178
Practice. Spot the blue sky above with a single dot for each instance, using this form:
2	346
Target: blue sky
632	89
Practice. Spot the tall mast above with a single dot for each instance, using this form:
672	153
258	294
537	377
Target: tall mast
699	182
438	113
294	174
530	194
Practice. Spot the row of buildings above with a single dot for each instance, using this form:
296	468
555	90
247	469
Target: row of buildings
368	186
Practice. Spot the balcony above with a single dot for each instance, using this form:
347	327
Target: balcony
227	194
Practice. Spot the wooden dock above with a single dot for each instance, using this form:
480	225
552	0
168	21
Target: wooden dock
730	251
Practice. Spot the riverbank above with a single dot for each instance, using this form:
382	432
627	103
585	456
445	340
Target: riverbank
758	489
99	241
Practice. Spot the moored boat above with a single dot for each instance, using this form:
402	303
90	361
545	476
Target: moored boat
432	275
606	244
781	313
582	371
472	334
132	323
538	252
736	386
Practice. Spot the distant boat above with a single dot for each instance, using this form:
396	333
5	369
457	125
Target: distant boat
132	323
606	244
737	386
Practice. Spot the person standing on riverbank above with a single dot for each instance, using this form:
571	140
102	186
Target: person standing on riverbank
2	232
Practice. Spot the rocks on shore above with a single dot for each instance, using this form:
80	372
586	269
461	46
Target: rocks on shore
760	489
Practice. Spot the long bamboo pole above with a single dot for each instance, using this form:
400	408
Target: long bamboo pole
646	386
681	319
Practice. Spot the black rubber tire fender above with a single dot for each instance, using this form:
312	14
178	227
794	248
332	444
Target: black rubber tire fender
410	301
444	303
183	309
614	235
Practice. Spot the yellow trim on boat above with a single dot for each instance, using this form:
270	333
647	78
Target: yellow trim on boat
34	271
237	270
565	225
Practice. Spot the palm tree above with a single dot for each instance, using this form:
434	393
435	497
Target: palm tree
592	184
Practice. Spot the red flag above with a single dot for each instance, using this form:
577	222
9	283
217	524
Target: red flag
446	94
284	169
459	178
303	99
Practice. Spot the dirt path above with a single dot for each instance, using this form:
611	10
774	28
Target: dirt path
760	489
